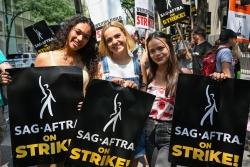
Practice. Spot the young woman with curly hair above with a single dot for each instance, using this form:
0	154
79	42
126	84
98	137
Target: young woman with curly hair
74	45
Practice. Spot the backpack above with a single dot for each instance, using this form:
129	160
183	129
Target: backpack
209	63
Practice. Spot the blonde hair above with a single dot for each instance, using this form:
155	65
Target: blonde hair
103	47
235	48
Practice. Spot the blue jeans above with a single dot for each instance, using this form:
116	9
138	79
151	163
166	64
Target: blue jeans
157	142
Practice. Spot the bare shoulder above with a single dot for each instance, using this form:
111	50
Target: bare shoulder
186	71
42	59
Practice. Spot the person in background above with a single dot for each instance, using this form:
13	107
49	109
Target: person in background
4	79
224	58
73	45
119	65
201	47
161	79
181	52
135	36
142	41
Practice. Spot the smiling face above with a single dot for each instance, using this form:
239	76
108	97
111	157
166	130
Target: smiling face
159	51
79	36
115	40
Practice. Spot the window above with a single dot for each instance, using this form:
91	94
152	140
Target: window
20	45
1	5
33	55
25	56
19	27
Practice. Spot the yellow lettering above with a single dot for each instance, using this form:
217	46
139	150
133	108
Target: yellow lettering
187	150
95	158
44	149
174	18
75	153
61	146
21	153
227	159
32	149
85	154
177	151
214	156
198	153
120	162
109	161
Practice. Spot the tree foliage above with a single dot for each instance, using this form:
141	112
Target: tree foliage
128	6
49	10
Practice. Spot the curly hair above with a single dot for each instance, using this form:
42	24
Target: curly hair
173	67
88	53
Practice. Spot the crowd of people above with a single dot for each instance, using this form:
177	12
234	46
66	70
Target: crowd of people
116	60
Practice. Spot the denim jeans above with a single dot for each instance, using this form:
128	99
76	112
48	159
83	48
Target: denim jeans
157	142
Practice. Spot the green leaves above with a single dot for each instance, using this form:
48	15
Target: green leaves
49	10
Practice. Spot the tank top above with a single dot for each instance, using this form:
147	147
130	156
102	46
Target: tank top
130	71
163	107
84	71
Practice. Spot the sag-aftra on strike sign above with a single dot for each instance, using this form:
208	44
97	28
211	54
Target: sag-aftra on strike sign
170	11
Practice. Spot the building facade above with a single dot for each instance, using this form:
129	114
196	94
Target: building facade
19	41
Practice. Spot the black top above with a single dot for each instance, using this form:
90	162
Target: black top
198	54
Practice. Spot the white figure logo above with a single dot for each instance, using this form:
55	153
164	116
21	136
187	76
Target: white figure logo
240	26
47	98
116	114
210	108
168	3
38	33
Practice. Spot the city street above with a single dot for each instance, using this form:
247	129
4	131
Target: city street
7	158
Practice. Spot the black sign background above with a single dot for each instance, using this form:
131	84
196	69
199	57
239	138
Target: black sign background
232	98
40	36
25	103
98	107
176	7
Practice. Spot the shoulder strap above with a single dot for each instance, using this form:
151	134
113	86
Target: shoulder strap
137	68
136	65
219	49
105	66
52	58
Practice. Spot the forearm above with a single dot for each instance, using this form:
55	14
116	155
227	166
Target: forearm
144	76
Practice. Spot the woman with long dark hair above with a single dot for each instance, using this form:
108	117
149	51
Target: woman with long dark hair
161	77
74	45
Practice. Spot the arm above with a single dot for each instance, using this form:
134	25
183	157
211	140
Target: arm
4	76
182	53
144	71
186	71
225	68
239	53
5	65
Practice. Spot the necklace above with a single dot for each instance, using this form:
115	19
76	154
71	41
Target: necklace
70	62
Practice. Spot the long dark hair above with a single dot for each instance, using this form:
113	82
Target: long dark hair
173	67
88	53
